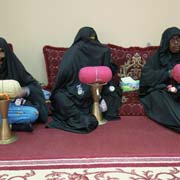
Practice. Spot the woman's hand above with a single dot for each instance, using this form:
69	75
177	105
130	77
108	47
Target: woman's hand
23	92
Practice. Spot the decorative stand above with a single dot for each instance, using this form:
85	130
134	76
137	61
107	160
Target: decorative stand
6	136
96	77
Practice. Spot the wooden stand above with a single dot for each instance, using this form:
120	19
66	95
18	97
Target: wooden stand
6	136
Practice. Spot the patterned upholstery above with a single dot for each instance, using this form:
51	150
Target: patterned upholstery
53	56
129	60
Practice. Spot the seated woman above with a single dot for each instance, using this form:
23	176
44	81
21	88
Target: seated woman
160	104
71	100
30	104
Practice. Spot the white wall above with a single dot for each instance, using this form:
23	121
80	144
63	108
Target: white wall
31	24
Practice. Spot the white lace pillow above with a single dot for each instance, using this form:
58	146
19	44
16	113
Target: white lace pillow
10	87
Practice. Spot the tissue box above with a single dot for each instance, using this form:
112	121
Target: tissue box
129	84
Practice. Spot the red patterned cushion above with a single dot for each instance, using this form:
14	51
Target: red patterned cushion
131	105
130	62
52	56
132	110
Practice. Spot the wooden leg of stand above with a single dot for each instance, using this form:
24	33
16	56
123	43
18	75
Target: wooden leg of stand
96	90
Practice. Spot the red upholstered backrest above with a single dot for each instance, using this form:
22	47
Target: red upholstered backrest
53	57
10	45
130	60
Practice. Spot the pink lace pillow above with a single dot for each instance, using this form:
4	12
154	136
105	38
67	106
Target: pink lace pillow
176	73
95	74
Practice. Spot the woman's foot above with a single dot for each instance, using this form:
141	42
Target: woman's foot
27	127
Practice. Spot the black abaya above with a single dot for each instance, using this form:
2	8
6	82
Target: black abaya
71	100
160	104
12	68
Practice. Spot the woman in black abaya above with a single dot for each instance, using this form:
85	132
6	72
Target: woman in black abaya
71	100
34	108
160	104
